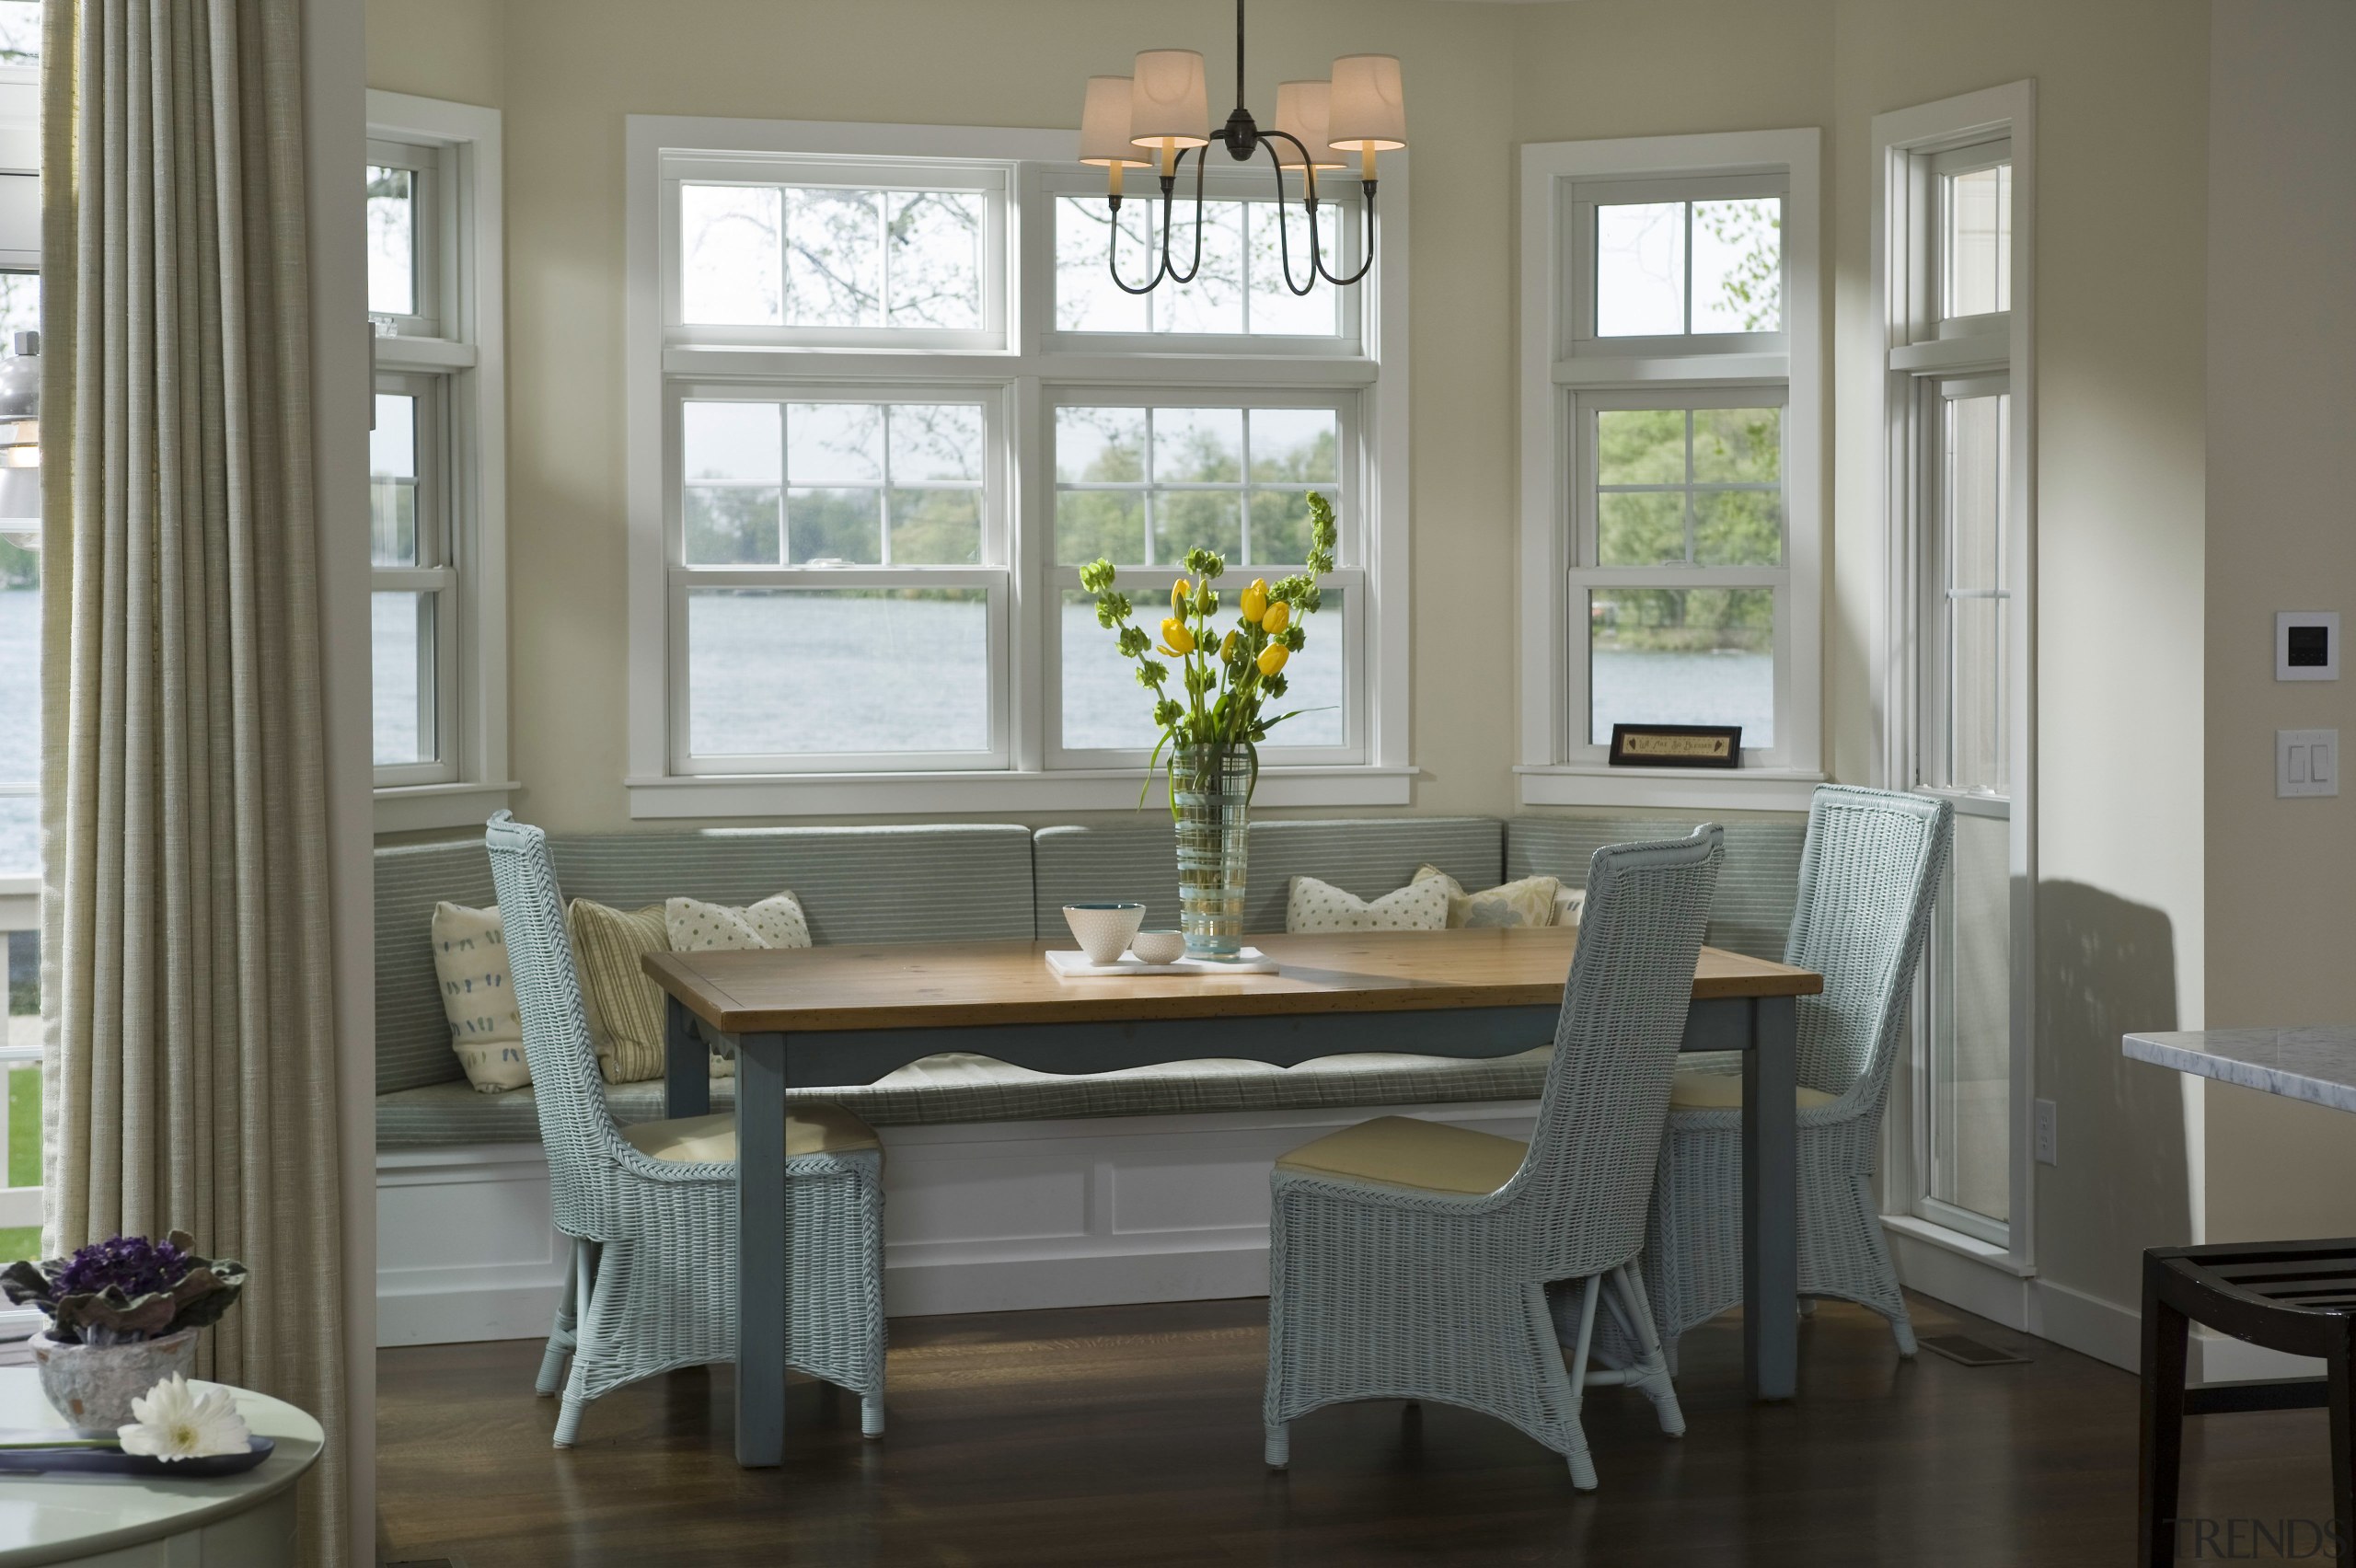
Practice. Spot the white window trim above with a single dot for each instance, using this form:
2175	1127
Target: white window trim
1909	350
1034	362
1554	362
471	361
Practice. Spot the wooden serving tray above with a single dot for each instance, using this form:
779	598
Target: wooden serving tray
1068	964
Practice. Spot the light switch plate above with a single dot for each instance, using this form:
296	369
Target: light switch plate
2306	762
2048	1133
2307	645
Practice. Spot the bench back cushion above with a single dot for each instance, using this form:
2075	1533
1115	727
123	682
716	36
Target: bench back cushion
1369	856
1758	883
961	882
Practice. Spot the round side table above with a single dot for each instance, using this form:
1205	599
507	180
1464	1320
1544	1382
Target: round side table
134	1522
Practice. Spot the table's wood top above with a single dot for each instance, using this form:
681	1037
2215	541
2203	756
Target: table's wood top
964	985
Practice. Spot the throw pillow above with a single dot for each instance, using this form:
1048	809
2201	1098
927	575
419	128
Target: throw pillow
479	997
1530	902
696	926
625	1007
1315	905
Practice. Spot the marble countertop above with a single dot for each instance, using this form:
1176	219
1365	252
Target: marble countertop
2315	1063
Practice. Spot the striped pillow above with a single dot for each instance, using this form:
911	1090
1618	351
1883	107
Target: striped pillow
625	1007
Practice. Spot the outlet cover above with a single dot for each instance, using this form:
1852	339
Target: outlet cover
2306	762
2048	1133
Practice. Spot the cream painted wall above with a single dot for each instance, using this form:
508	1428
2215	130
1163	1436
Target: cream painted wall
2120	88
445	49
2282	366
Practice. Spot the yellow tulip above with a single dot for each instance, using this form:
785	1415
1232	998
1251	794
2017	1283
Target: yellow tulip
1279	616
1226	649
1176	638
1255	600
1272	657
1178	592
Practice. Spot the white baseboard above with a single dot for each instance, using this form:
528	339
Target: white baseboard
977	1217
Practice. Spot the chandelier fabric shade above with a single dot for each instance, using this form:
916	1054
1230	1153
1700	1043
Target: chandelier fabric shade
1368	109
1169	100
1105	125
1302	114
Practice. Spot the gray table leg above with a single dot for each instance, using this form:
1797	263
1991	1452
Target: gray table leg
686	1065
762	1255
1770	1264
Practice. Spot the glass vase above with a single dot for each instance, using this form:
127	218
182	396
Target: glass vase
1210	793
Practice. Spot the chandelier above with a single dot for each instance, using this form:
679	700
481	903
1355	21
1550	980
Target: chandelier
1160	114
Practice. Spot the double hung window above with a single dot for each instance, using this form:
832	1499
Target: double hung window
1671	401
887	400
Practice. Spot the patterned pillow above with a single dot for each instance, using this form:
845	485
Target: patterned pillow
625	1007
478	997
696	926
1321	907
1530	902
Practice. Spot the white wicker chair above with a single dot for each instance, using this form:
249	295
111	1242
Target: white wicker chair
652	1212
1410	1260
1867	881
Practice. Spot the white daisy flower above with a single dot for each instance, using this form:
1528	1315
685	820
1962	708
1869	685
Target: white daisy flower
176	1422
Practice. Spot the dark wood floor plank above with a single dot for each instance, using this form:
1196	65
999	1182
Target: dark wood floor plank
1130	1436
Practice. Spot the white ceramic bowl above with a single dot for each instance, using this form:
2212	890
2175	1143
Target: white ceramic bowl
1159	947
1103	930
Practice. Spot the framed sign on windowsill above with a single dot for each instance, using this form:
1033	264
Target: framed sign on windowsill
1676	745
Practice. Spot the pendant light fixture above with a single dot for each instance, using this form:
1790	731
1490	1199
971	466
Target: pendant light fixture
1159	115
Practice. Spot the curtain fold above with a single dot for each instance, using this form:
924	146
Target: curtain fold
189	1066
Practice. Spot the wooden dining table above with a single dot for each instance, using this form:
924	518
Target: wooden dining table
839	1016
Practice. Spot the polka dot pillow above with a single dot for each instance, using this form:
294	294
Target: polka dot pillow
696	926
1321	907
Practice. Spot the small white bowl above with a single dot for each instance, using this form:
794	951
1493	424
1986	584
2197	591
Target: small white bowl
1159	947
1103	930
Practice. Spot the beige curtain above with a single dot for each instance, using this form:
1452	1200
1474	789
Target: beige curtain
190	1070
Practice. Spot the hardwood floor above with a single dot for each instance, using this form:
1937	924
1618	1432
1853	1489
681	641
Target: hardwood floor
1131	1435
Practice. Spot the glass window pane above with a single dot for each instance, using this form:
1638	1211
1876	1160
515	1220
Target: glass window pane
1639	269
392	240
1275	309
1738	446
1280	526
840	526
20	835
935	441
1110	524
19	701
1977	242
936	527
1739	527
1295	445
1214	301
1189	520
1100	444
1977	610
392	481
403	667
1086	299
19	302
1739	265
733	525
827	444
1640	527
1198	445
1682	656
833	258
730	443
936	258
1104	708
731	259
1971	1024
1640	446
21	34
791	671
1975	492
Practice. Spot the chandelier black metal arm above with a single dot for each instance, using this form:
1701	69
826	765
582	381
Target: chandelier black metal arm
1243	137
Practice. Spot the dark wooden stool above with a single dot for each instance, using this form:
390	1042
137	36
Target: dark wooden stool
2296	1297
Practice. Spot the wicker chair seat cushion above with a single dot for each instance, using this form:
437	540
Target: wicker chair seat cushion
1399	1151
963	1086
1723	1091
706	1140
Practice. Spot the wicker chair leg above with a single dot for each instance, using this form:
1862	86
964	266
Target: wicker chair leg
1582	1463
1278	1449
552	1377
871	1414
1652	1375
576	1387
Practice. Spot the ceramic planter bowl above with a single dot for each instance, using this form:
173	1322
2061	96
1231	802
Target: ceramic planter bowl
1159	947
1103	930
92	1384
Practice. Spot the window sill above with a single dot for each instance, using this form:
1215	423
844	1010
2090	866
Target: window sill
1674	789
411	807
1955	1242
847	794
